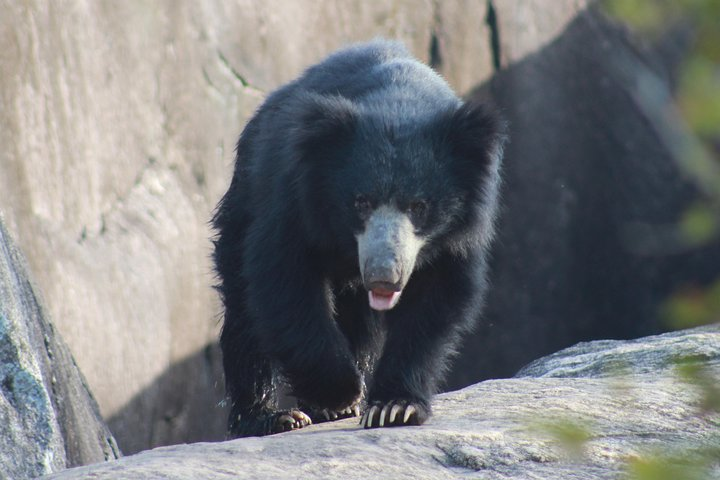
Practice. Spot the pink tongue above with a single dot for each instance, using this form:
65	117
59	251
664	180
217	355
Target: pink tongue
383	302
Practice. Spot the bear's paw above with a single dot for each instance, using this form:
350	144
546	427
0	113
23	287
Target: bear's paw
287	420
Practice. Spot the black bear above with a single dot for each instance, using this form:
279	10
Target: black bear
351	245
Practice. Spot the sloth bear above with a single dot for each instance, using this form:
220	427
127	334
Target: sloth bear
351	245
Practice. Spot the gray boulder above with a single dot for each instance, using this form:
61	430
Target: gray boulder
614	358
48	418
573	415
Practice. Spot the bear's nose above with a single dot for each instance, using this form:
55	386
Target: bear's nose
382	274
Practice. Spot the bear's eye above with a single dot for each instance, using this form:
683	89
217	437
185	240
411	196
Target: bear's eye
363	206
418	210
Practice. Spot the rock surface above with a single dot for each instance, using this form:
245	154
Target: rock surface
614	358
499	429
48	418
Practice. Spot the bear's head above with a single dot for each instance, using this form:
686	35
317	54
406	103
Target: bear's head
394	188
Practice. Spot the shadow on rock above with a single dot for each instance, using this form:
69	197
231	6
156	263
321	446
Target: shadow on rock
589	175
197	416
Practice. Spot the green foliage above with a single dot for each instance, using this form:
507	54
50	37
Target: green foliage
699	224
699	93
649	16
665	467
695	373
569	434
653	17
692	307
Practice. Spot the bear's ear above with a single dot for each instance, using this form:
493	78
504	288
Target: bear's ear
325	123
476	134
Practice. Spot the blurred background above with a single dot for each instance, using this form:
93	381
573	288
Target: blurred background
119	121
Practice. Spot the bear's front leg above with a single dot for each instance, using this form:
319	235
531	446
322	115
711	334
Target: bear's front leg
438	304
290	303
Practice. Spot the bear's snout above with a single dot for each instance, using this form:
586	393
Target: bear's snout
383	279
387	251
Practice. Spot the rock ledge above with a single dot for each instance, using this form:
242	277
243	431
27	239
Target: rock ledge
572	415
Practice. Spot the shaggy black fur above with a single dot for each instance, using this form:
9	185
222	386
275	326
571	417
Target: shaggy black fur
369	122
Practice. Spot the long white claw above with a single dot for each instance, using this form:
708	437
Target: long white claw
408	412
383	412
393	413
326	414
356	410
370	415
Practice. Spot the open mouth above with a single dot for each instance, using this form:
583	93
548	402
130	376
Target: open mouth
381	299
